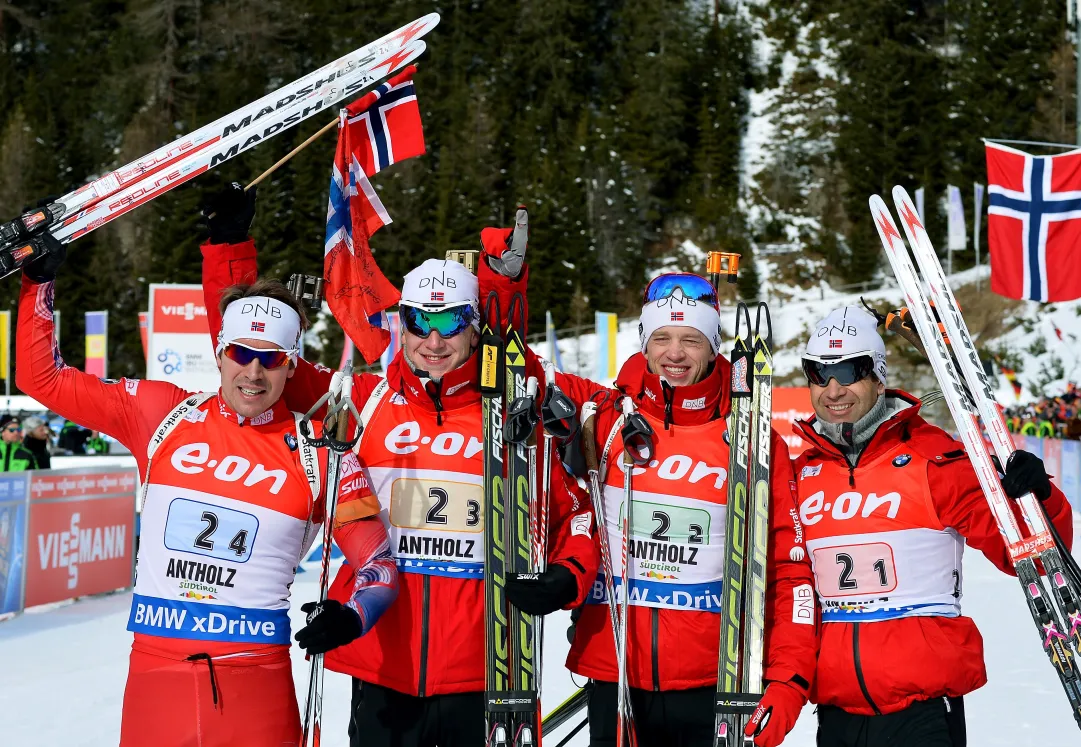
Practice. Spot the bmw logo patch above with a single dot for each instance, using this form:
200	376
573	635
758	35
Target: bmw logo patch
902	460
291	442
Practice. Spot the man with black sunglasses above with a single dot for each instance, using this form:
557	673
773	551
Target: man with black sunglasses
232	500
887	502
14	457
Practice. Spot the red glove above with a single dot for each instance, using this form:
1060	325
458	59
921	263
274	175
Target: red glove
776	714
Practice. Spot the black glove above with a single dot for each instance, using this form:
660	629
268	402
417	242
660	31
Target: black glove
229	214
1025	474
329	625
542	593
43	268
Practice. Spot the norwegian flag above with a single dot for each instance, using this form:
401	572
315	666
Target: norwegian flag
1034	223
258	326
835	343
379	129
677	316
437	295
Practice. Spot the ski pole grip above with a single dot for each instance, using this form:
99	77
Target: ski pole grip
549	373
531	387
589	436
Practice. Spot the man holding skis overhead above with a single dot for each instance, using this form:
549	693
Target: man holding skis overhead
419	678
232	499
681	384
888	502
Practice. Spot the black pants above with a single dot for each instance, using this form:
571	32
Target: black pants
927	723
388	718
675	718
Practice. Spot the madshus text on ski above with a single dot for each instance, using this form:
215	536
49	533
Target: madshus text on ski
715	584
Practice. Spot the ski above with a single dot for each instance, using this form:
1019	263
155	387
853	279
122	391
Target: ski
566	710
521	699
965	406
122	190
731	704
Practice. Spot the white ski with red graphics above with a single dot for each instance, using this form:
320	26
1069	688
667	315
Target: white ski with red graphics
965	407
122	190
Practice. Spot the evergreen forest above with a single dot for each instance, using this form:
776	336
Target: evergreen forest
626	127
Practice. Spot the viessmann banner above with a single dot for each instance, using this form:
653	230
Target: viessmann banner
65	534
179	347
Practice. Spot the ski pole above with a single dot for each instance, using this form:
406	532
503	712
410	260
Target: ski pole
336	439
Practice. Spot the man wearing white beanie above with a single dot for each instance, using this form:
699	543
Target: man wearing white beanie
887	502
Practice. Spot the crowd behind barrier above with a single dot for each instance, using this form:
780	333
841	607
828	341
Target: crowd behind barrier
1050	417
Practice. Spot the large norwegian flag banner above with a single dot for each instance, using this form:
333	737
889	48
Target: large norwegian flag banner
379	129
1034	223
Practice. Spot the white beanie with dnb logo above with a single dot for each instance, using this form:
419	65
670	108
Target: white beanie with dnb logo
847	332
678	310
438	284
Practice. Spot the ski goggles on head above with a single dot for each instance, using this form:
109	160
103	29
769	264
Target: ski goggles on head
692	286
447	322
847	372
243	355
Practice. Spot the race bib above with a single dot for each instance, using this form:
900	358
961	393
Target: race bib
676	551
436	526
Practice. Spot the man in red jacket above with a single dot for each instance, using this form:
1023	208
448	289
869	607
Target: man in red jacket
888	502
231	500
419	676
681	384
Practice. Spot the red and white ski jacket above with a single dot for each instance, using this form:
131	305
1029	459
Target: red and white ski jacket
419	445
221	590
885	539
679	507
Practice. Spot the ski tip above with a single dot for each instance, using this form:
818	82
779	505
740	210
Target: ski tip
900	194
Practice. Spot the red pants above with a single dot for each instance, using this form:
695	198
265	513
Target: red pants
170	702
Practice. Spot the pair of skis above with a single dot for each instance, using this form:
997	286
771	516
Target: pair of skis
743	612
109	196
514	541
1053	598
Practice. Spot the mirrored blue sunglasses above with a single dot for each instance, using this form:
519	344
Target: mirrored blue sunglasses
447	322
692	286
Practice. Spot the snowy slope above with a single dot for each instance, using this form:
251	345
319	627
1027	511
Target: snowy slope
63	672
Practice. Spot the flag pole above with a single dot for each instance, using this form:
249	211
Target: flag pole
329	125
292	153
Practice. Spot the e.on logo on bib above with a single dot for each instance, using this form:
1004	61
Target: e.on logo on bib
190	458
847	505
406	439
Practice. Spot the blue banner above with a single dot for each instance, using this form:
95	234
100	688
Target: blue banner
13	513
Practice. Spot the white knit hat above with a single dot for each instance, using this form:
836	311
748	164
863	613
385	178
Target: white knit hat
847	332
677	310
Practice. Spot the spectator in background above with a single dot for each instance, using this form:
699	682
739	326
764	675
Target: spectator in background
13	457
73	438
37	439
96	444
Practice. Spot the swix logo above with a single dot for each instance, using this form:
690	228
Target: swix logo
649	393
189	311
404	439
81	545
847	505
677	467
189	459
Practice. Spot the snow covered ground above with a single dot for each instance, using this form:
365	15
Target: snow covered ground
62	673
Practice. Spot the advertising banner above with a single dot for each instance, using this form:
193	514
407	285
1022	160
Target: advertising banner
81	533
791	403
12	541
97	343
179	348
